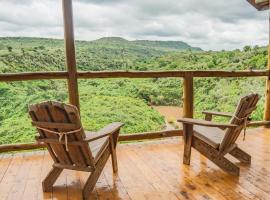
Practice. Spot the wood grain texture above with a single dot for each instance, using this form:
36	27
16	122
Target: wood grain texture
88	155
25	76
267	89
147	170
188	96
215	143
70	53
215	113
215	157
205	123
176	73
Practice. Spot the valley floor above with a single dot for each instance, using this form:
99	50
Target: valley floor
148	170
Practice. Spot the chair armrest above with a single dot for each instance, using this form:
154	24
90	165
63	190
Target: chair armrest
106	131
205	123
216	113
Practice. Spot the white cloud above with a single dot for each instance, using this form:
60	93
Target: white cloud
209	24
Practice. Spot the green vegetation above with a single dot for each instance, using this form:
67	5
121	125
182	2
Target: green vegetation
127	100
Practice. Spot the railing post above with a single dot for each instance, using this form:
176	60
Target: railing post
70	53
267	91
188	95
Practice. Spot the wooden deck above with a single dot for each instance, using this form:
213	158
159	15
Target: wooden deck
150	170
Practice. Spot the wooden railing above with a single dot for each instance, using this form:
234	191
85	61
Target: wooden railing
130	74
188	93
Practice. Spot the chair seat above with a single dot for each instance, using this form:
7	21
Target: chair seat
210	135
97	146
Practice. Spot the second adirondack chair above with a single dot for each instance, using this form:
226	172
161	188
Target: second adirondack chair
71	147
215	140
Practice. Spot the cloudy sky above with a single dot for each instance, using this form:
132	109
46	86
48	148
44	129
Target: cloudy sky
210	24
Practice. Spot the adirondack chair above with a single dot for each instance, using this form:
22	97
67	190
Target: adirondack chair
71	147
215	140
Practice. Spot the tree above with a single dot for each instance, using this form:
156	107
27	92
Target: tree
256	49
247	48
9	49
23	51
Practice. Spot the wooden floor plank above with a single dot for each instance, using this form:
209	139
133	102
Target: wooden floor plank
60	190
33	186
9	178
21	178
74	187
175	177
46	167
148	170
116	185
5	161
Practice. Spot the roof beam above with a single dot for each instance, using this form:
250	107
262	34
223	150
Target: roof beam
260	4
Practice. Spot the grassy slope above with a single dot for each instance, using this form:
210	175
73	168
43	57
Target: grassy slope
104	101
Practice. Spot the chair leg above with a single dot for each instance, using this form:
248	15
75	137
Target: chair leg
113	156
47	183
240	155
93	178
188	132
213	155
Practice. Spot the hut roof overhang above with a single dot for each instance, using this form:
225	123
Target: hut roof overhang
260	4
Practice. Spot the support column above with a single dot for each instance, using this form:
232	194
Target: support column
267	92
188	96
70	53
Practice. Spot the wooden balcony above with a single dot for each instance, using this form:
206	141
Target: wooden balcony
147	170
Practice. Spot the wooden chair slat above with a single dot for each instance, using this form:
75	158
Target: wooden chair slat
42	114
53	125
84	153
42	134
59	115
56	141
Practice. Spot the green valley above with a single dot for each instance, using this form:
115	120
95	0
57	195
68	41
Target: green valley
127	100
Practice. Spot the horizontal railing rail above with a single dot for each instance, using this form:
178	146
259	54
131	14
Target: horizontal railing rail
26	76
168	74
122	138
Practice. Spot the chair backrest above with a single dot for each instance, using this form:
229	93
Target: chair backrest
245	107
54	117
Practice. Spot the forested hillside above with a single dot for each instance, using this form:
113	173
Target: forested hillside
127	100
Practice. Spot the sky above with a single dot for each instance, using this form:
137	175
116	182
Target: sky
209	24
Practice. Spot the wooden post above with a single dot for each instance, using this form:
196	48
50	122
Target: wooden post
188	95
267	92
70	53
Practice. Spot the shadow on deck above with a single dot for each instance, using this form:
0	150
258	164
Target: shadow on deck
149	170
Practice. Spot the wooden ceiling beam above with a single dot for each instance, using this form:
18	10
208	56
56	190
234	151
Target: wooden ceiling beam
259	6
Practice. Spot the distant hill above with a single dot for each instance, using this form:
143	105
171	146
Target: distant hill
170	45
165	45
106	42
111	39
111	53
